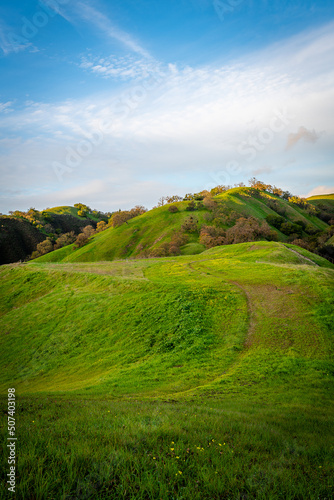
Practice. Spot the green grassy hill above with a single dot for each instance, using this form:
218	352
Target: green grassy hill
208	375
124	327
195	377
322	197
63	210
67	210
19	236
325	201
244	201
139	236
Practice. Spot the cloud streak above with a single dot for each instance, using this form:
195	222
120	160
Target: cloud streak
82	11
121	68
4	44
5	107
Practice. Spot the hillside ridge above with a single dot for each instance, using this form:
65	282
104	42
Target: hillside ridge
145	316
237	215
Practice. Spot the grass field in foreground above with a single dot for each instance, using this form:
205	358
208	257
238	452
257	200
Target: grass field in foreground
202	377
216	448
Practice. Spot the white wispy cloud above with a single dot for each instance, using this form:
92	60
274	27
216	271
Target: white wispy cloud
10	42
304	54
5	107
78	11
184	126
124	68
4	43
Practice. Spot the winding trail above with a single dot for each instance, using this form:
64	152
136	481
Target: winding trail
302	256
250	310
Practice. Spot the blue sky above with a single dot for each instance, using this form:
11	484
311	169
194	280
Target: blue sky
117	103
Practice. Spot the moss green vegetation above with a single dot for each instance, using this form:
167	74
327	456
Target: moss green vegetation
147	231
64	210
322	197
139	236
192	249
205	376
227	449
325	201
67	210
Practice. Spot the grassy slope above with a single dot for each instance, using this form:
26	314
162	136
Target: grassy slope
157	226
67	210
103	327
202	377
241	200
321	197
149	230
324	200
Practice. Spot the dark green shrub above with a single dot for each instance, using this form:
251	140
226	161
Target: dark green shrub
173	209
289	228
191	206
301	223
275	220
190	225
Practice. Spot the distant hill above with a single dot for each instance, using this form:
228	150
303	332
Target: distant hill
18	238
72	211
147	234
324	203
66	222
21	232
162	231
322	197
